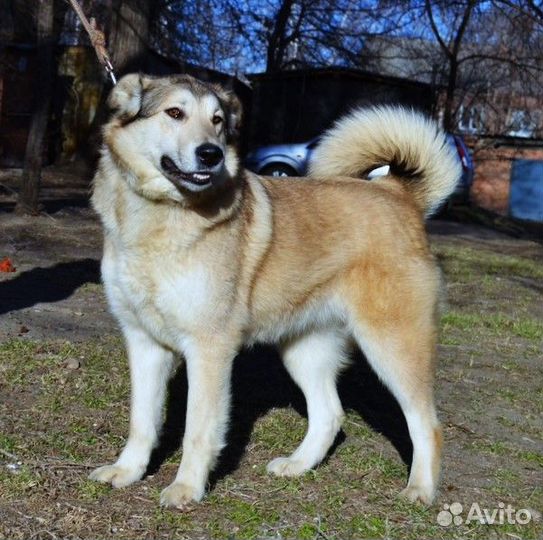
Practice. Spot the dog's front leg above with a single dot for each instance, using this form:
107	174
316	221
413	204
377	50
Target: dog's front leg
208	371
150	369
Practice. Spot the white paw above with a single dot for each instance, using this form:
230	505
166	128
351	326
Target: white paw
284	466
116	475
180	496
421	494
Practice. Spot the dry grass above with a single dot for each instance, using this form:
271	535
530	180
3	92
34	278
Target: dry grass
57	422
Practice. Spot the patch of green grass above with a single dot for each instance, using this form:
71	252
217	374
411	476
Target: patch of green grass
309	507
306	531
500	448
421	520
531	530
94	401
79	426
534	458
17	347
293	485
63	397
17	358
492	447
91	287
510	265
362	461
464	263
506	422
176	522
368	527
512	365
65	447
460	321
449	340
16	483
89	490
522	327
507	394
334	497
507	475
7	443
496	323
243	519
280	431
244	516
103	367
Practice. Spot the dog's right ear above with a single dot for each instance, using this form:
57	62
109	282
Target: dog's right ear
126	96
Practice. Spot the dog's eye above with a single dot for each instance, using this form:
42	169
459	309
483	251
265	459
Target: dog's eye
176	113
216	119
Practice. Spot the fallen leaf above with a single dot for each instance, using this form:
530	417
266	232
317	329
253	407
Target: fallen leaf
6	265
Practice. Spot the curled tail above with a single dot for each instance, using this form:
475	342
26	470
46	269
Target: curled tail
413	145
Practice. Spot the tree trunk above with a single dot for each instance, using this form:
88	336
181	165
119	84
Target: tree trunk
277	43
452	52
449	123
28	196
129	34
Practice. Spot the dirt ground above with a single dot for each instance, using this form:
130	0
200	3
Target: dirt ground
64	409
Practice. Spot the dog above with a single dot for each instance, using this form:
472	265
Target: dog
202	257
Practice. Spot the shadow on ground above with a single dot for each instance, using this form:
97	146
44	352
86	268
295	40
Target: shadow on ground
50	284
51	206
261	383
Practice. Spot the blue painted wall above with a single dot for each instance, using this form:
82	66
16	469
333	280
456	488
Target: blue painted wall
526	196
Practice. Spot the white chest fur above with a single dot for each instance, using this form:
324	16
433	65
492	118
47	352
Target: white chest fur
168	297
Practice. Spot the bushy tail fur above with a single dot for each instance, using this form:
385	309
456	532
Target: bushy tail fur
413	145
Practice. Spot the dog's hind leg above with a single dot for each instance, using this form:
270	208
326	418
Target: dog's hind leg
401	351
150	369
314	361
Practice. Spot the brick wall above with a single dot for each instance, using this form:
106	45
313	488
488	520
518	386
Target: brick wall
490	189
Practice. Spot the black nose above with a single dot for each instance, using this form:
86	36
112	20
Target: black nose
209	154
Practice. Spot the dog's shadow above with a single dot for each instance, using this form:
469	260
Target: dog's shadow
260	383
50	284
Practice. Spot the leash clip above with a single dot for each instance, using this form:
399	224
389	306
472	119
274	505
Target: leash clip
109	70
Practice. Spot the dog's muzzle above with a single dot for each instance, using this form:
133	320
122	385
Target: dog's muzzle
187	180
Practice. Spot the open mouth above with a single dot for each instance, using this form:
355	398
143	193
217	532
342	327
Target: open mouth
177	176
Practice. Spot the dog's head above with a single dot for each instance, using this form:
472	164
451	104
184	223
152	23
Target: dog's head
175	136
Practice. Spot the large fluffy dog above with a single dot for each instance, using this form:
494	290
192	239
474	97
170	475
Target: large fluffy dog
202	257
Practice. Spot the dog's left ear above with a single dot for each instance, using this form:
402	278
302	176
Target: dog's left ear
126	96
233	110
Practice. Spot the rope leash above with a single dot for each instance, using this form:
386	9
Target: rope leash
97	40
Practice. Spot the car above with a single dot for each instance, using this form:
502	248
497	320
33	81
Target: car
281	159
293	160
461	192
